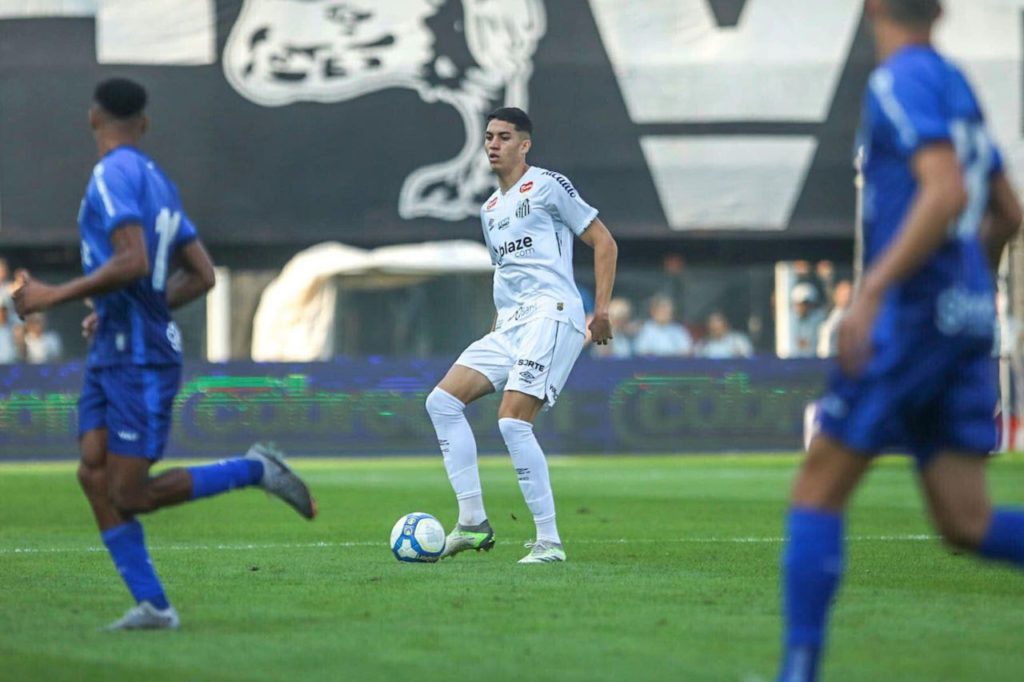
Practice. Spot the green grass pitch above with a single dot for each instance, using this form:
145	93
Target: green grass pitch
672	574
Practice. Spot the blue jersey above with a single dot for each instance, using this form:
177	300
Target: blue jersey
914	99
135	325
930	383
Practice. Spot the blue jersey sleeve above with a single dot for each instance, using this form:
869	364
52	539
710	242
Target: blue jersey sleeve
186	233
911	110
119	188
997	162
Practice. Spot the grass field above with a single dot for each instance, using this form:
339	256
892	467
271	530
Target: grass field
672	574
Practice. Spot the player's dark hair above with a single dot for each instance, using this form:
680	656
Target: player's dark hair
513	115
914	12
120	97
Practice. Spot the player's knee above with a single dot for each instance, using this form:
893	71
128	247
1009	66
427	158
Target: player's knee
92	479
441	404
513	430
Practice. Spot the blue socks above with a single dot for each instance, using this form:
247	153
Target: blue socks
127	547
1004	540
812	566
225	475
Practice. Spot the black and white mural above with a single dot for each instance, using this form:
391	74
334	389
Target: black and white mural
293	121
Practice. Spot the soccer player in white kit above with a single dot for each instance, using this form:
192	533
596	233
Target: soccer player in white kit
539	331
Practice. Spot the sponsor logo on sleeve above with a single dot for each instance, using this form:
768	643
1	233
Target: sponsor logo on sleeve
563	181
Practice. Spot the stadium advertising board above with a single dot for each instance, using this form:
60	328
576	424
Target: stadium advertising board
375	407
292	121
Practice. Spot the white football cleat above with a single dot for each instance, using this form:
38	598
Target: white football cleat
543	552
145	616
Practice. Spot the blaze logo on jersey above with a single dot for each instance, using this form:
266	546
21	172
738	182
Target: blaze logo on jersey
515	246
285	51
523	209
526	187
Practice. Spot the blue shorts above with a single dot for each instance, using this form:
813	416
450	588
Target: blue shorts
917	397
133	403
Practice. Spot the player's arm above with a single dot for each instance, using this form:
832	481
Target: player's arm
128	263
606	255
1003	219
193	278
940	197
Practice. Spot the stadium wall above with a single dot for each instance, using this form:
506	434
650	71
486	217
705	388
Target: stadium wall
374	407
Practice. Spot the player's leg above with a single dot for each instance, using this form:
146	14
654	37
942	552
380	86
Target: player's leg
813	557
547	351
954	478
957	495
446	406
121	533
92	477
140	414
516	416
466	381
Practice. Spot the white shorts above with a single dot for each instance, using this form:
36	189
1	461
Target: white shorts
533	358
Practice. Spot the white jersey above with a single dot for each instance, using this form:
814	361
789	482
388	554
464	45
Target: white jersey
529	231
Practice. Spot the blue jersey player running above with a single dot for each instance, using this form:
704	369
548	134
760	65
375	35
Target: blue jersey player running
915	369
142	258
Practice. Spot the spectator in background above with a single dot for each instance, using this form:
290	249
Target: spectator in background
722	342
807	319
39	344
6	294
620	314
661	335
828	334
8	347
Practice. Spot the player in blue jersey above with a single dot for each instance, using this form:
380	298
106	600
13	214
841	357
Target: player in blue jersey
915	369
142	258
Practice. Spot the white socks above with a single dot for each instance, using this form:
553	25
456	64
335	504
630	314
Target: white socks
459	450
532	469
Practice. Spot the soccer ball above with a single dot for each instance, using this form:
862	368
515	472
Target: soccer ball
417	537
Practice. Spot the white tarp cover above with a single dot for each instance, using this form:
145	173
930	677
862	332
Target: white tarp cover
295	318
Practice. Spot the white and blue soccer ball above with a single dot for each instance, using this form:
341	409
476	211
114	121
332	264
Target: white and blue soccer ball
417	537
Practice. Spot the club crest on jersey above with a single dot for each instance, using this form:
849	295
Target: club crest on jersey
491	204
526	187
523	209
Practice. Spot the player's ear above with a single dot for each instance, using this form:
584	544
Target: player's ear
524	147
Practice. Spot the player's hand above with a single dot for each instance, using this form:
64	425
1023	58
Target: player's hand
30	296
89	324
855	333
600	329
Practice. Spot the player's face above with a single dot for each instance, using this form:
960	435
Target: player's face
505	146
